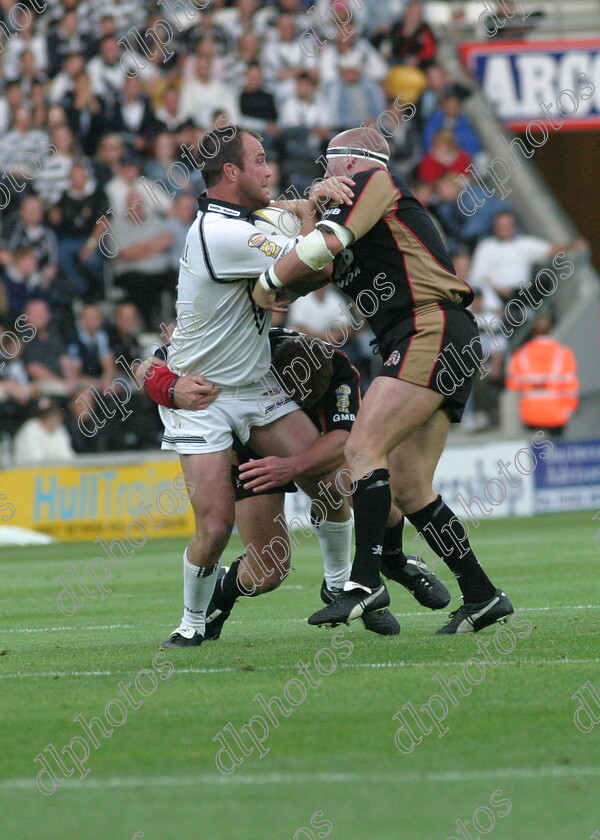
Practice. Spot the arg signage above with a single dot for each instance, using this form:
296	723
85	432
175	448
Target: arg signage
556	83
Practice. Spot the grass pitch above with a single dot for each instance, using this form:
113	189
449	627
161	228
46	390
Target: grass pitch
510	760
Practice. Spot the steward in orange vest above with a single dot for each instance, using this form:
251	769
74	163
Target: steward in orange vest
545	371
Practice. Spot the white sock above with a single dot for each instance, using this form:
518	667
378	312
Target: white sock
197	592
335	541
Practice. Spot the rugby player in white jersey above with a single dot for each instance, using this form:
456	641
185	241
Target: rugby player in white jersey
223	335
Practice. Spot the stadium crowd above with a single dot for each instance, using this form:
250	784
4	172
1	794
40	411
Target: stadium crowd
100	118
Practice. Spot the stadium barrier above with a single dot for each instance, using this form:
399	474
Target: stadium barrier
140	496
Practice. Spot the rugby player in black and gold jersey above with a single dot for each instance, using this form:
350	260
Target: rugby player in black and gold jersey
390	260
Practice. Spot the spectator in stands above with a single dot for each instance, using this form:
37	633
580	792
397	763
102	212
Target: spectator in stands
21	280
28	74
411	40
73	65
107	70
207	27
178	224
239	18
25	39
202	94
90	350
143	264
305	108
404	140
38	102
349	48
75	219
247	50
124	336
450	117
85	114
129	176
207	48
504	261
53	178
143	428
133	117
66	38
257	107
11	98
466	228
23	145
169	113
489	381
545	372
316	312
283	58
28	231
159	167
109	155
16	392
44	438
49	368
444	156
438	80
354	99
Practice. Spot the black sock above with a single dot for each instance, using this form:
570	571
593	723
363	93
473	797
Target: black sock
394	559
372	501
445	534
228	589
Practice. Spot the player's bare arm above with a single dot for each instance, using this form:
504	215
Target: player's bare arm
191	392
325	455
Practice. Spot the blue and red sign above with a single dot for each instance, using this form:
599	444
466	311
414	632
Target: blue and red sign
555	83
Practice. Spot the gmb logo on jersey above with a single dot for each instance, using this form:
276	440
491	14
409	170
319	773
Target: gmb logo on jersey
260	241
342	398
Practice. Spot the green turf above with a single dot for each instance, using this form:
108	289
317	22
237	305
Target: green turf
335	752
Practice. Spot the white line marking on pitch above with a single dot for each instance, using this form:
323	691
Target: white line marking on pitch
59	629
281	667
404	614
446	776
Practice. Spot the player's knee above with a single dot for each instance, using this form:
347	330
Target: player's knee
412	497
215	531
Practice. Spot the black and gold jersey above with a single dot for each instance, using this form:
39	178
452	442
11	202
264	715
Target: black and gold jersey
397	262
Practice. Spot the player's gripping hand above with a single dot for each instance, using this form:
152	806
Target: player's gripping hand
265	473
267	299
334	190
194	393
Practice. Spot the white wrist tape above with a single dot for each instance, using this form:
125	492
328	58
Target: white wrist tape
269	280
344	234
313	251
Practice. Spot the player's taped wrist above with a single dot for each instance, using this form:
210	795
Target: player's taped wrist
269	280
159	384
313	250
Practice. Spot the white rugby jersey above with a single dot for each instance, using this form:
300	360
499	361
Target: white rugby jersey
221	333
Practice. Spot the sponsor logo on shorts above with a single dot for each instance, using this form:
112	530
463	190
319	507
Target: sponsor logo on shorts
344	416
392	359
342	398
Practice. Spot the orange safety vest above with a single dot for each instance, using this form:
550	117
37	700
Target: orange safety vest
546	372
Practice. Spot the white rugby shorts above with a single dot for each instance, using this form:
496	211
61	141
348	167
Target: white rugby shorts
235	411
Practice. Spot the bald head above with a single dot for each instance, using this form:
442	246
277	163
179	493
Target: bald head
356	149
